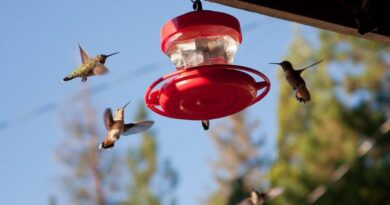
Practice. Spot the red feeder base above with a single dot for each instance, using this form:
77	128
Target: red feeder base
206	92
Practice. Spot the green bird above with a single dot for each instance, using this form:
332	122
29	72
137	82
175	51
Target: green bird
89	66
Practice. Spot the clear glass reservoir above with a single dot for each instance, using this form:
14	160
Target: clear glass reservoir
203	50
201	38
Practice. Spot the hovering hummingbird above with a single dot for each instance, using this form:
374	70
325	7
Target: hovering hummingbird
296	81
205	124
258	198
89	66
117	127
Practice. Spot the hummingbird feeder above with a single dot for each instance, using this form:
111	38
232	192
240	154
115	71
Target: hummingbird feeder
206	85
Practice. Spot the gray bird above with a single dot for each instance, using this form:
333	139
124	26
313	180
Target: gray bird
205	124
89	66
117	127
258	198
296	81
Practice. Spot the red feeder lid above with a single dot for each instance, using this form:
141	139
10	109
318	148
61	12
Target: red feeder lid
199	23
206	92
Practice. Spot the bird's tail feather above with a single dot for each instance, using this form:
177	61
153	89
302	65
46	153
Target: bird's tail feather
67	78
104	146
302	94
205	124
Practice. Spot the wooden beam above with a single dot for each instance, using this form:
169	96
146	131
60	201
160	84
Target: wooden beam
322	15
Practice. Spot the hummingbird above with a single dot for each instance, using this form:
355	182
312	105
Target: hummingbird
117	127
205	124
89	66
294	78
259	198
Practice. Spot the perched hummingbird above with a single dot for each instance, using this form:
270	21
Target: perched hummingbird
205	124
258	198
89	66
296	81
117	127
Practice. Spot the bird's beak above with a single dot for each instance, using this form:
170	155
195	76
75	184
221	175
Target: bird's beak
275	63
111	54
126	104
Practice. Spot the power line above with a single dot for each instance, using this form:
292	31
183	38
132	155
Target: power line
101	87
98	88
53	105
363	149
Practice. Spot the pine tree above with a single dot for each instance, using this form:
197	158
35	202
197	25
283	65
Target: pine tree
89	172
144	170
100	177
237	169
319	143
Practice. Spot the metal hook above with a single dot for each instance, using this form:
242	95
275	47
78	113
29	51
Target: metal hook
197	5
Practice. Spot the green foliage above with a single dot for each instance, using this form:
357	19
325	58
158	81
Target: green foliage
317	138
88	172
143	167
237	169
100	177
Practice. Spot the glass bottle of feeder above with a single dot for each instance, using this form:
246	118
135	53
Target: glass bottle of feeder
206	85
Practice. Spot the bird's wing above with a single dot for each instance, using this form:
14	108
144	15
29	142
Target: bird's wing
108	120
84	55
100	69
274	192
205	124
301	70
137	127
302	94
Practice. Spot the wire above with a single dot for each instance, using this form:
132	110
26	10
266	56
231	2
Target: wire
363	149
98	88
101	87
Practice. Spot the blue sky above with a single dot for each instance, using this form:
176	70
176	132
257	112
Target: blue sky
38	47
